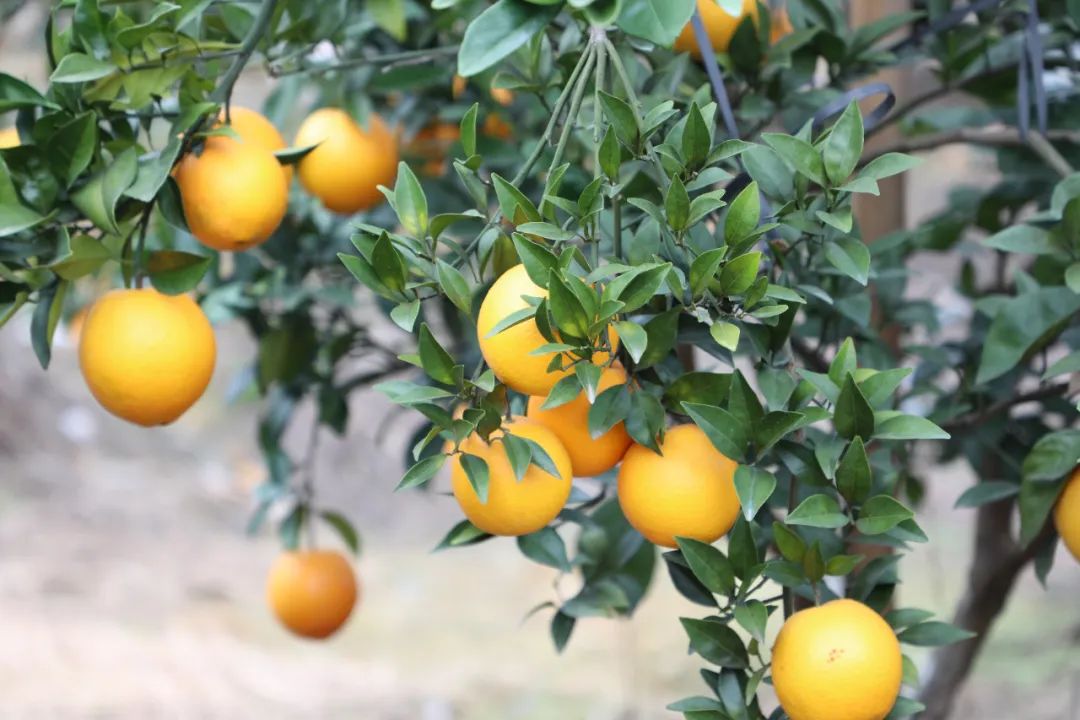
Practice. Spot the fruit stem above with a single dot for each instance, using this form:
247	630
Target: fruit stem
616	209
575	106
140	245
223	92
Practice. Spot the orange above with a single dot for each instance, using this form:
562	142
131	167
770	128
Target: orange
840	661
432	143
780	25
9	138
234	193
719	25
147	357
513	507
502	96
688	491
570	422
253	127
495	126
509	353
1067	514
312	592
350	163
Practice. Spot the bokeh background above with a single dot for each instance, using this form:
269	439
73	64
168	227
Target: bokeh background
128	588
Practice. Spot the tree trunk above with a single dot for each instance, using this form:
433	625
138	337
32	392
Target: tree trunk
995	567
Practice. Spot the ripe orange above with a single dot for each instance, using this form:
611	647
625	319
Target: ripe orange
312	592
689	491
9	138
495	126
780	25
253	127
570	422
350	163
719	25
234	193
1067	514
840	661
513	507
432	143
146	357
509	353
502	96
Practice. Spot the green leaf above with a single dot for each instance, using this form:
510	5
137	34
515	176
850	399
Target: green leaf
724	431
645	420
791	546
725	334
888	165
881	514
820	511
743	215
71	148
410	202
800	155
500	30
464	533
753	616
436	361
621	116
1053	456
344	528
840	218
632	337
468	130
844	363
880	386
77	67
739	274
422	472
1068	364
18	95
772	428
853	474
174	273
1036	501
536	258
476	470
47	312
658	21
696	140
908	427
388	264
850	257
562	625
546	547
853	414
566	308
934	633
81	256
454	284
677	205
716	643
839	565
1022	239
636	287
97	198
1020	325
515	205
844	146
389	15
987	491
703	269
754	487
609	155
709	565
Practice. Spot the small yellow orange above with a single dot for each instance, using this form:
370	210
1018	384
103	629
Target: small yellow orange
840	661
718	23
234	193
350	162
589	456
1067	514
9	138
688	491
253	127
513	507
146	357
312	592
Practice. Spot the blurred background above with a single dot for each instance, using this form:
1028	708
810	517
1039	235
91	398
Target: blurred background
128	588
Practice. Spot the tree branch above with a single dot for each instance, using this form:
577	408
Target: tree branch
972	420
995	567
223	92
407	57
998	137
813	358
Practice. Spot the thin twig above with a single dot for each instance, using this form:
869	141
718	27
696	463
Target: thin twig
389	60
996	137
972	420
224	90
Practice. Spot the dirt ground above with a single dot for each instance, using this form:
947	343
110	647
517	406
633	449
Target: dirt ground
129	590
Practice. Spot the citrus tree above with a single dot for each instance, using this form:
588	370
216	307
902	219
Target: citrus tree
638	306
